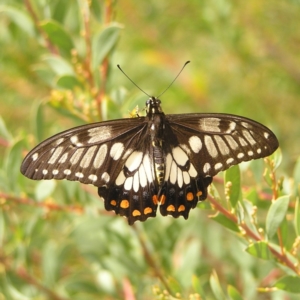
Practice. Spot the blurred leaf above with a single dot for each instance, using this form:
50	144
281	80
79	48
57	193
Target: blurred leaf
296	176
216	287
277	158
260	249
233	175
276	214
233	293
257	167
44	189
20	18
240	212
12	164
289	283
68	82
2	229
223	220
96	9
50	263
297	217
59	65
39	121
58	35
44	73
4	131
197	286
103	43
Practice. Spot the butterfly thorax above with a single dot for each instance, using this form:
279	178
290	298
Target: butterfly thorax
156	130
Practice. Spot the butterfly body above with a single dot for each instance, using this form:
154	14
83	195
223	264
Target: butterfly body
140	163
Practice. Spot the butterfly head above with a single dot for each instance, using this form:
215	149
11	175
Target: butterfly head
153	105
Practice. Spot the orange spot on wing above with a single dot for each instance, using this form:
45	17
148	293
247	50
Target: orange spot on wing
181	208
189	196
113	202
162	199
124	203
199	193
147	210
155	199
171	208
136	213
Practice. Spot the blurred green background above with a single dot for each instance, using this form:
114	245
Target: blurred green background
57	242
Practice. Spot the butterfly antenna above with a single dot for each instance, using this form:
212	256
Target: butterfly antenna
174	78
133	81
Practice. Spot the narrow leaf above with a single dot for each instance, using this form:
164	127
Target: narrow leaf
233	293
20	18
68	82
289	284
59	65
296	177
232	176
221	219
297	217
216	287
103	43
276	215
260	250
58	35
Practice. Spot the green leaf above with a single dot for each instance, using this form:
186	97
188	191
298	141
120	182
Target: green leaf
277	157
197	286
44	189
103	43
58	35
68	82
260	250
297	217
4	133
216	287
12	164
289	284
232	175
221	219
234	293
50	263
39	121
59	65
20	18
276	215
296	177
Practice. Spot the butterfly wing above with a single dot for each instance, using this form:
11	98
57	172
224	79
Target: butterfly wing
202	145
111	155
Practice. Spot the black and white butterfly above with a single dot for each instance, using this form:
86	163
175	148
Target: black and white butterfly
140	163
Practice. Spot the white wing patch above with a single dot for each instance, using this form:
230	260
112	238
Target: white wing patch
116	151
99	134
210	124
141	167
195	143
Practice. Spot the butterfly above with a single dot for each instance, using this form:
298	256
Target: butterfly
140	164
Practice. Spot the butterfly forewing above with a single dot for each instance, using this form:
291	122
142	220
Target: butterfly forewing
215	142
85	153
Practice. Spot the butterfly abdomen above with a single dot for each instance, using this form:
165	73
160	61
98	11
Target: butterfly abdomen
156	132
